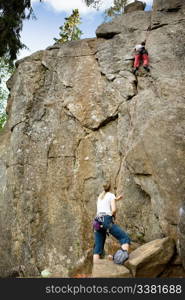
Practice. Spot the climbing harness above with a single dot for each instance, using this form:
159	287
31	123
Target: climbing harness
98	223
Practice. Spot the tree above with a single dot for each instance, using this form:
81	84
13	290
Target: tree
12	14
116	9
5	72
94	3
70	30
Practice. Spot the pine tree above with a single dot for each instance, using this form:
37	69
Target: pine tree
12	14
94	3
70	31
5	73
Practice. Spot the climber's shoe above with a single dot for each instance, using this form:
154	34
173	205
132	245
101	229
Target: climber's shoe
146	68
134	70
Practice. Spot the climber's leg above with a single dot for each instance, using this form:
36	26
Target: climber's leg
121	236
145	61
136	63
100	237
137	60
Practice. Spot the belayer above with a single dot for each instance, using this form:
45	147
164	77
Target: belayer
106	211
141	55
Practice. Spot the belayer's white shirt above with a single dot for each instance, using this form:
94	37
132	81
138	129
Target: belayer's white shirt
104	205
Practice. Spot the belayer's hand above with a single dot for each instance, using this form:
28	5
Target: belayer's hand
119	197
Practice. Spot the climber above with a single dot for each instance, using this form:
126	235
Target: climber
141	54
106	210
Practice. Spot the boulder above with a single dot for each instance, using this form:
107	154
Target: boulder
138	20
134	6
107	269
150	259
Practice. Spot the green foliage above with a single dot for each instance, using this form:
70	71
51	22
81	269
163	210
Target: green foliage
12	14
70	31
5	72
2	120
116	9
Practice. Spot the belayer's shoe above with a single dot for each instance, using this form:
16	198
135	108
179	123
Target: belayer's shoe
102	255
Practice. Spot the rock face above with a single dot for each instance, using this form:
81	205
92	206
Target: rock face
148	261
77	115
107	269
168	5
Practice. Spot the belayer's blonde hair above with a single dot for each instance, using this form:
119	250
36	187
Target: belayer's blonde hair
106	188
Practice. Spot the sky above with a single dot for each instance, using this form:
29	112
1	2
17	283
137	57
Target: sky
40	33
